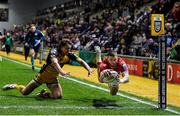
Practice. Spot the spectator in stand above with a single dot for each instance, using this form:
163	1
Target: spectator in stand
176	11
112	30
172	52
8	43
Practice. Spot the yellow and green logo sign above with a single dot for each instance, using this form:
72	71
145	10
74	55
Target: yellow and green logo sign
157	24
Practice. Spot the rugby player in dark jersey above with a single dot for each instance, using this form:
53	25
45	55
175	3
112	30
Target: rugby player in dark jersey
33	41
50	71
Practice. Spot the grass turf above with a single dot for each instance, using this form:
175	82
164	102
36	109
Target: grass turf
78	99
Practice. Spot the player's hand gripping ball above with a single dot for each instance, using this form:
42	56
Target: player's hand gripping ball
108	76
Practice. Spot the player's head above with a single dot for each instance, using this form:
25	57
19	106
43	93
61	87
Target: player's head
33	28
65	46
112	57
8	34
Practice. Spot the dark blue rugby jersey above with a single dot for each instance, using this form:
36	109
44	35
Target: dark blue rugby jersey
34	38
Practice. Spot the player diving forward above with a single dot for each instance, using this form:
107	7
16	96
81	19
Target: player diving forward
111	69
50	71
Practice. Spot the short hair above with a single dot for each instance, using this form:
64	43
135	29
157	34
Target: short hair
63	43
112	53
33	27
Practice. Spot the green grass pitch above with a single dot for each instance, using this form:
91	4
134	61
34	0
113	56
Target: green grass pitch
77	98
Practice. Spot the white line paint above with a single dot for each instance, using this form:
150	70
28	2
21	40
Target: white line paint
66	107
104	89
43	107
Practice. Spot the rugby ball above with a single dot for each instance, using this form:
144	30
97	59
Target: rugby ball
113	76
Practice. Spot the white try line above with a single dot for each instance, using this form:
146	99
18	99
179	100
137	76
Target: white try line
104	89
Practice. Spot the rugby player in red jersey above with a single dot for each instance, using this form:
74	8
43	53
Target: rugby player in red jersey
106	68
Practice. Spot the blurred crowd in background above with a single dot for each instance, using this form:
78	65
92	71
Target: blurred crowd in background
122	25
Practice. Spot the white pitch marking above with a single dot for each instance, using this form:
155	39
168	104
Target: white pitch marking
101	88
66	107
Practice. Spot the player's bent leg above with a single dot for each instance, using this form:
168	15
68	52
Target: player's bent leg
36	54
56	90
29	87
36	50
44	94
26	49
32	52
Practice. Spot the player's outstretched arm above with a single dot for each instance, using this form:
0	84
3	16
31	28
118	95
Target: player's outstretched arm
125	76
58	67
98	51
85	65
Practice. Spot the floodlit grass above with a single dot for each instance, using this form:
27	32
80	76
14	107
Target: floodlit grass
77	98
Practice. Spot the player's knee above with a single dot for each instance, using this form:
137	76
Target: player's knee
57	97
32	53
25	93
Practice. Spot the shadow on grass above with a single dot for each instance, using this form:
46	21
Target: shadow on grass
105	103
